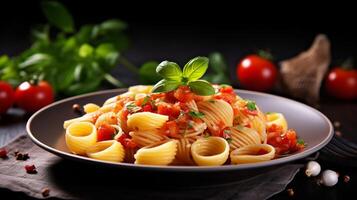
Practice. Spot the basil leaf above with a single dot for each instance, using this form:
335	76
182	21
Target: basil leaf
169	70
201	87
165	86
195	68
58	15
38	58
147	73
112	25
85	50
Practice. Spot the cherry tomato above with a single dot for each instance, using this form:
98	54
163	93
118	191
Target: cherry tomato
6	96
105	132
32	97
342	83
257	73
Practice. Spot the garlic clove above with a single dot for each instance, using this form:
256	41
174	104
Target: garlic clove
313	168
329	178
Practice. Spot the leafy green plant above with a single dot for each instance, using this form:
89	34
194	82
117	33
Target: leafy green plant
173	76
73	61
220	72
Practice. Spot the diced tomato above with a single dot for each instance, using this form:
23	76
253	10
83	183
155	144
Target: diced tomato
183	94
126	141
226	89
218	130
105	132
170	97
170	129
228	97
250	112
173	111
235	111
125	114
283	142
147	108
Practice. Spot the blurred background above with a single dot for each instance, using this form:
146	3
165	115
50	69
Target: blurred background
179	30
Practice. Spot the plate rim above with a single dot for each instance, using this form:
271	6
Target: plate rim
222	168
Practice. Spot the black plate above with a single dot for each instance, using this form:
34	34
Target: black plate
45	128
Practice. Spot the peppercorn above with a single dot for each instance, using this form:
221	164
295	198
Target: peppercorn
3	153
346	179
77	108
30	169
290	192
45	192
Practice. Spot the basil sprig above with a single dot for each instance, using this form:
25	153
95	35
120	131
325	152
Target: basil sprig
173	76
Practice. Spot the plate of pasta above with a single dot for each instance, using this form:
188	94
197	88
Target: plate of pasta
181	123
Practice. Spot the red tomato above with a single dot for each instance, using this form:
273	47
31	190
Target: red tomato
172	111
257	73
147	108
33	97
6	96
127	142
171	129
342	83
183	94
105	132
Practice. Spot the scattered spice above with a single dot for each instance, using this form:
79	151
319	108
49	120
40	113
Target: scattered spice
337	124
346	179
338	133
30	169
20	156
77	108
3	153
290	192
45	192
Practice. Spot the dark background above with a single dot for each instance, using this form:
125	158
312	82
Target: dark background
179	30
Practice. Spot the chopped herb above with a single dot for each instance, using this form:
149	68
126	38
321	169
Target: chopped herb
229	140
145	100
301	142
227	131
132	108
196	114
251	105
211	101
268	113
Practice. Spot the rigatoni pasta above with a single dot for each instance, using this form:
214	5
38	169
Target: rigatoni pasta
179	128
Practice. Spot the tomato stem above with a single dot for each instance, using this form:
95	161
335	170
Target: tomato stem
347	64
265	54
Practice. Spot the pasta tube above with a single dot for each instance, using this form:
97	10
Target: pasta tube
278	119
146	121
109	150
252	154
211	151
162	153
79	136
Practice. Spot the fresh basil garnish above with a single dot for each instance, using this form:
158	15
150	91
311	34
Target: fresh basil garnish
196	114
174	76
251	105
201	87
169	70
195	68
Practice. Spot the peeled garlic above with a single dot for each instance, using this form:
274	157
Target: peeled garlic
313	168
